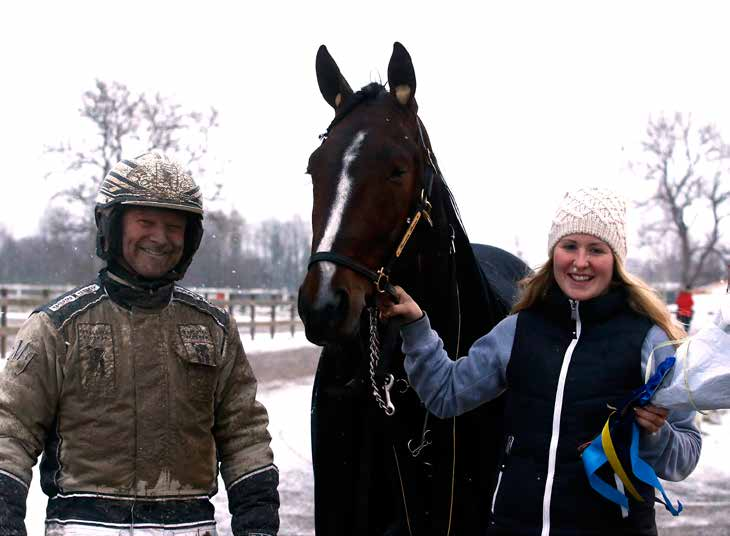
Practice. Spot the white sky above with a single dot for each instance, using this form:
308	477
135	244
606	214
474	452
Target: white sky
522	101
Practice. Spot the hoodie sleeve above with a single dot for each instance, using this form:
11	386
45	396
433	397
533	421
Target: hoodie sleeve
675	449
450	388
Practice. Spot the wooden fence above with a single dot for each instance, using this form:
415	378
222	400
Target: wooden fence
257	311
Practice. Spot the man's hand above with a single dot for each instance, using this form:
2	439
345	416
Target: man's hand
404	310
651	418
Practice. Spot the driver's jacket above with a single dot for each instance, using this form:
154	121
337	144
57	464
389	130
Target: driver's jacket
133	411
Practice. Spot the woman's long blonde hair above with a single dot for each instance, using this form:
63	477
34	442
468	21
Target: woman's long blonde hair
641	297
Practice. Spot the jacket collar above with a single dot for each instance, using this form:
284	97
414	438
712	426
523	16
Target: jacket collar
596	309
125	293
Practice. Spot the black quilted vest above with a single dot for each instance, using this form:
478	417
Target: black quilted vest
604	369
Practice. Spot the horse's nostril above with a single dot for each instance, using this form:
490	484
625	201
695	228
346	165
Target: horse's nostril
341	304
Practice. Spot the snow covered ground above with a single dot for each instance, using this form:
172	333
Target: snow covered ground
705	495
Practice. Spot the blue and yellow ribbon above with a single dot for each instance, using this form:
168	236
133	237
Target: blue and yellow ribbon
602	450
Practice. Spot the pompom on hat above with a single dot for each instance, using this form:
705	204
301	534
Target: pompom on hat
595	211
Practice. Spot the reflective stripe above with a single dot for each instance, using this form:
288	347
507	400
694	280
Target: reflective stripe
175	498
555	436
270	467
13	477
82	529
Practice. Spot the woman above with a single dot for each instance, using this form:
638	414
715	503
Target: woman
577	345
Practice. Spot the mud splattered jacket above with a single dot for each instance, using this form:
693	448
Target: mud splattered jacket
134	410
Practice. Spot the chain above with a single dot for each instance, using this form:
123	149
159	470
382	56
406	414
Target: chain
386	405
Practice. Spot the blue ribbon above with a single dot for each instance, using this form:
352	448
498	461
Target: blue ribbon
594	456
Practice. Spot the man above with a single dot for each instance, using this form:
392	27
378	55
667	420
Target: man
133	387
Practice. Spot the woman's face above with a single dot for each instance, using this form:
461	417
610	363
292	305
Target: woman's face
582	266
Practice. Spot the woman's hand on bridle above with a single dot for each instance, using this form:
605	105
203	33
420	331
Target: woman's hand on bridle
404	310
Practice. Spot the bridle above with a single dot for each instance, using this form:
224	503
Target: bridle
380	278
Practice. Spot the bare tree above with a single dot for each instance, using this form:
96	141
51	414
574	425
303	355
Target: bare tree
122	124
688	166
283	247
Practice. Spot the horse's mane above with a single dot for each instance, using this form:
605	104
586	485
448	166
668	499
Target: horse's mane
480	306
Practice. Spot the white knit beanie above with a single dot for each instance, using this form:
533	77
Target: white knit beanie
595	211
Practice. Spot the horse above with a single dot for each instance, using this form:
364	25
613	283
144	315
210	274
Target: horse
382	213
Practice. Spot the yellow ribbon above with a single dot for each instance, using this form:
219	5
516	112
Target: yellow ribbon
615	463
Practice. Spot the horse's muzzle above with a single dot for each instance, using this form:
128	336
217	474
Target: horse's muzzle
325	316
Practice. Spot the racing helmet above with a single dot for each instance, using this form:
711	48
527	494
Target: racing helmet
148	180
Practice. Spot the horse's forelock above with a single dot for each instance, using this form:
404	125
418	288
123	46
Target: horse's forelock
367	93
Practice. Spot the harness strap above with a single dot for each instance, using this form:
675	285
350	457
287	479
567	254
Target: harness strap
380	278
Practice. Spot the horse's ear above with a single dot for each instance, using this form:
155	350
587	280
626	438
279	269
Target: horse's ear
332	84
402	77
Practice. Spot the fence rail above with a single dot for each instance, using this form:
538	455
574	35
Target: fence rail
255	311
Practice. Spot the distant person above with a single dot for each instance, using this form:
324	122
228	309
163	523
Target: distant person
135	389
577	344
685	307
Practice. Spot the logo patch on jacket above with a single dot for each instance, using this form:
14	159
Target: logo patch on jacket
73	297
198	343
20	355
96	355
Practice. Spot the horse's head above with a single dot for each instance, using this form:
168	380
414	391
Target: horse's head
367	178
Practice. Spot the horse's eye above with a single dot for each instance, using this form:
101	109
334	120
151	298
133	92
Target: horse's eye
397	174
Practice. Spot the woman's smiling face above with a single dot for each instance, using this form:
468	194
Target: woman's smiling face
582	266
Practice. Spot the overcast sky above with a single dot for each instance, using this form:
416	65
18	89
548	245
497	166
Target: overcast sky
521	102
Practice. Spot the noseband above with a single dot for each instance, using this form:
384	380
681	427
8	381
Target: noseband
422	209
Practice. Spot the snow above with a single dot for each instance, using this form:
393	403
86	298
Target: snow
715	446
705	308
263	342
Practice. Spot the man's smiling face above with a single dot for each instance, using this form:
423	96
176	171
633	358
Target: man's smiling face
152	240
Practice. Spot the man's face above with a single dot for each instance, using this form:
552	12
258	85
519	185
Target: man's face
152	240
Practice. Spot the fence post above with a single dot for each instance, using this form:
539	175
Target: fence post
253	319
3	320
292	312
273	318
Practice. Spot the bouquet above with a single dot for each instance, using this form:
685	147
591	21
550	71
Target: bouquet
700	379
